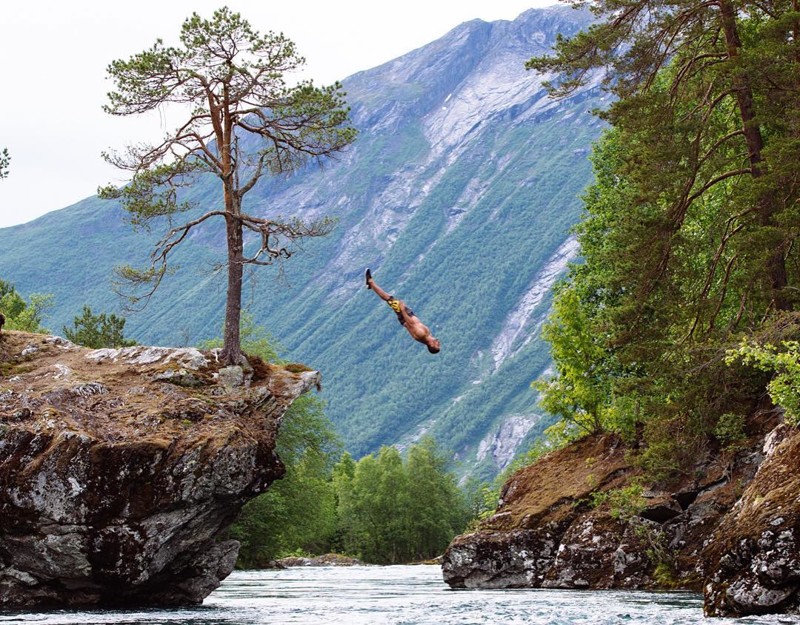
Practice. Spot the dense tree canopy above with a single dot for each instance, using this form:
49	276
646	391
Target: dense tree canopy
382	508
297	512
688	237
710	91
391	510
243	122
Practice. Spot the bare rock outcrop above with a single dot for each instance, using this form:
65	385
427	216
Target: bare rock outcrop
120	470
731	530
543	532
754	553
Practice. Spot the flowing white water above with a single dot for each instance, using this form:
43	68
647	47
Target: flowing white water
398	595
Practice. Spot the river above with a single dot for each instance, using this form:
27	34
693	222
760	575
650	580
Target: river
396	595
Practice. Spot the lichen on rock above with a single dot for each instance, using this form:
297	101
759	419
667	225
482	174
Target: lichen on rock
730	530
754	553
120	470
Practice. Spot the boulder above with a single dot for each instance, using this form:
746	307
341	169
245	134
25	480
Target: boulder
753	554
121	469
730	529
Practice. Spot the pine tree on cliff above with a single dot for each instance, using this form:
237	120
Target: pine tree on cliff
244	122
720	59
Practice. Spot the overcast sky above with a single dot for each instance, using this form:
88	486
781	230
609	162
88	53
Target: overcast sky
54	54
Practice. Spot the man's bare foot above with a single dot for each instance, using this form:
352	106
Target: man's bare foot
368	276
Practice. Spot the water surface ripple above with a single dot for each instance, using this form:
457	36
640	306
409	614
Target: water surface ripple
397	595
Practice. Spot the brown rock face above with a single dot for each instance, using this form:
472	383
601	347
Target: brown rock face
754	554
545	532
120	469
732	530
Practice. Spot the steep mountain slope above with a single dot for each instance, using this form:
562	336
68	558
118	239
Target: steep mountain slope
459	194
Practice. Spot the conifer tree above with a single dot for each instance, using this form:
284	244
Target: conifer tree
722	59
97	331
244	122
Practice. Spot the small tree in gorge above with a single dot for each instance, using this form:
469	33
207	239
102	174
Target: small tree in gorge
233	78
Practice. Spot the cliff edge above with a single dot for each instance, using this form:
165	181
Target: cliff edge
582	517
120	469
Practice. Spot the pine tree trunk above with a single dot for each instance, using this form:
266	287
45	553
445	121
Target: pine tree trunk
231	340
776	265
231	346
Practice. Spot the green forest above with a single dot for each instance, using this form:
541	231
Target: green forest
680	321
385	508
382	509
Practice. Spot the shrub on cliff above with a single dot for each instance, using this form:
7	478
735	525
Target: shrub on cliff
783	361
98	331
22	315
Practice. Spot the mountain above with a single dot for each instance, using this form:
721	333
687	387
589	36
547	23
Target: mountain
459	195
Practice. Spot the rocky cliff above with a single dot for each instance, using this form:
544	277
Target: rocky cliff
582	518
121	469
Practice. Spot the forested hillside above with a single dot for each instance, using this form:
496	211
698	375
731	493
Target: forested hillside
675	340
459	193
686	303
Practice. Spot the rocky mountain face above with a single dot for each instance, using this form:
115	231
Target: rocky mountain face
121	469
575	519
459	194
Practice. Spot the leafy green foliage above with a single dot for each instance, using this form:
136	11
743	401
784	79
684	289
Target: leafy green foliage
730	429
482	497
255	340
297	512
572	395
623	503
97	331
22	315
382	509
392	510
688	232
784	362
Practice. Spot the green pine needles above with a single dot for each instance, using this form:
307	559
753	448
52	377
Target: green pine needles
688	233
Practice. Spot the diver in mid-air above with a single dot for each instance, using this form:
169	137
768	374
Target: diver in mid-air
418	330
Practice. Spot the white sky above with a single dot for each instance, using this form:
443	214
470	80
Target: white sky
54	54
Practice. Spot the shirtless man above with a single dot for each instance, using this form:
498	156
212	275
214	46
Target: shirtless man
418	330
